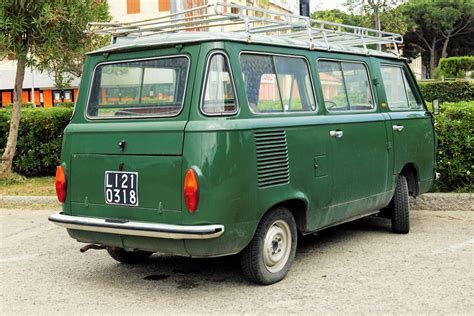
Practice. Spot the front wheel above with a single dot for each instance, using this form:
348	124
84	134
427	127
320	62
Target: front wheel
268	257
400	207
130	257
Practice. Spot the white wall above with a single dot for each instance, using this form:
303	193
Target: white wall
148	10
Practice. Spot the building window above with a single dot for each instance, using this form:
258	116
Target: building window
57	97
163	5
133	6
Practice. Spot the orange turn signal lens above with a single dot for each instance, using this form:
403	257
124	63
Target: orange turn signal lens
61	184
191	190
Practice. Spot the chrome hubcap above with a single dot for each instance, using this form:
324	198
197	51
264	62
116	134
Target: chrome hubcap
277	246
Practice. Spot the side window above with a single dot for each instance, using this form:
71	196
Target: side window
345	85
277	83
399	94
411	96
219	95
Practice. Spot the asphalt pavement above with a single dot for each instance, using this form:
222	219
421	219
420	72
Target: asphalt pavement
356	268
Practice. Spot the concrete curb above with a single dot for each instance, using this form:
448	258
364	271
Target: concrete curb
444	202
38	201
427	201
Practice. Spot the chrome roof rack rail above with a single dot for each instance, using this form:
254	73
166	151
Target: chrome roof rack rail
253	20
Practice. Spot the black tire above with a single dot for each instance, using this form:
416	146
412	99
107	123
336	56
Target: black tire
401	207
129	257
273	229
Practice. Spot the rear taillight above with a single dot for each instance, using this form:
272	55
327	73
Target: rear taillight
61	184
191	190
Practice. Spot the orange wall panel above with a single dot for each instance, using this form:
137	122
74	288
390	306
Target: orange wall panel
163	5
75	92
133	6
47	99
24	97
6	98
37	98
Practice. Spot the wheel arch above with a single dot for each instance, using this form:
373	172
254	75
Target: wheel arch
410	171
298	207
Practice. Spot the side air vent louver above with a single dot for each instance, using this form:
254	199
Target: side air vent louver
272	158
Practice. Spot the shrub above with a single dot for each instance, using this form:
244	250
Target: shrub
447	91
455	156
41	130
66	104
23	105
455	67
39	139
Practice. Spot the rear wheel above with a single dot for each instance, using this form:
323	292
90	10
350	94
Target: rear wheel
130	257
269	255
401	207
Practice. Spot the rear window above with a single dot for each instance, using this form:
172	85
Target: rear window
139	88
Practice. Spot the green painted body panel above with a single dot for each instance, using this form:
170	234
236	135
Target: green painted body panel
415	145
336	179
163	196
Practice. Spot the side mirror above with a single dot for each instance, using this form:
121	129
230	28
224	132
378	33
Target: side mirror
435	106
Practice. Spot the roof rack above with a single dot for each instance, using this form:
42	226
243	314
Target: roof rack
253	20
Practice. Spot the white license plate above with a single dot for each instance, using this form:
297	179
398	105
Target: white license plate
121	188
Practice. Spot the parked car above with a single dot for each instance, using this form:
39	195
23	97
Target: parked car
206	144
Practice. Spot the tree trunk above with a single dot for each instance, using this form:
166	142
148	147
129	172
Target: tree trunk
433	61
444	52
378	25
10	148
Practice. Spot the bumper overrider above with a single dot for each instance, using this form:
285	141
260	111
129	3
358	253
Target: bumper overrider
133	228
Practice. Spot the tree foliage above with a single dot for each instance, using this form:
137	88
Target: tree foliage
434	24
391	20
48	35
52	32
338	16
380	14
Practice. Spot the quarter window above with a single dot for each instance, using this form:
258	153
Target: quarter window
277	83
139	88
399	93
345	86
219	94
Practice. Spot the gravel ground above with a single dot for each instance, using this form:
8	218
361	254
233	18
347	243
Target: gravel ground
356	268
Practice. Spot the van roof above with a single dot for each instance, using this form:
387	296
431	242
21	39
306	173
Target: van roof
171	39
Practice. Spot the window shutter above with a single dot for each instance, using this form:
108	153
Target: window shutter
133	6
163	5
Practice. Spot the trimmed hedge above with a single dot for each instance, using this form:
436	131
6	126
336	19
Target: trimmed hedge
41	130
39	139
455	67
455	156
447	91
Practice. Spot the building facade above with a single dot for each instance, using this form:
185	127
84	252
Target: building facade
39	88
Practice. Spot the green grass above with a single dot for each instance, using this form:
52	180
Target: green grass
42	186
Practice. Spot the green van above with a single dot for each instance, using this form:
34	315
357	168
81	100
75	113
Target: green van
203	143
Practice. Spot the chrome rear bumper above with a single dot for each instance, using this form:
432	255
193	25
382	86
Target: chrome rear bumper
112	226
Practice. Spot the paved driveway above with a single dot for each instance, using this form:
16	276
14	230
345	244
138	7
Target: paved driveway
356	268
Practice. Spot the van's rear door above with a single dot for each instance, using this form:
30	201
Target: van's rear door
125	160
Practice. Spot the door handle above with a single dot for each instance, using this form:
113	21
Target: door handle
336	133
398	128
